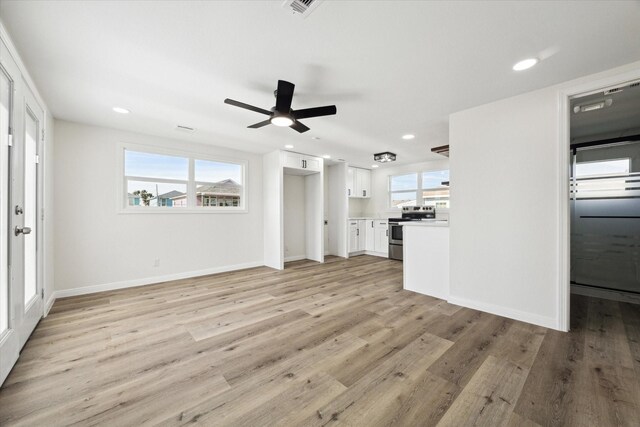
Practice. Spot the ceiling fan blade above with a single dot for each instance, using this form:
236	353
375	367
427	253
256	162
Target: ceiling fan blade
314	112
299	127
247	106
259	125
284	95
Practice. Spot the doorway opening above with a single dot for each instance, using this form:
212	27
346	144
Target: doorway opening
604	208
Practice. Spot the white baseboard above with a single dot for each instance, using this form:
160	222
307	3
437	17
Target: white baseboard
605	294
510	313
151	280
294	258
49	304
380	254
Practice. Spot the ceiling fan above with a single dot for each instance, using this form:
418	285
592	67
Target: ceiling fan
282	114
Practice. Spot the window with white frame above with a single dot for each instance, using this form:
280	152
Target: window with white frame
167	182
430	188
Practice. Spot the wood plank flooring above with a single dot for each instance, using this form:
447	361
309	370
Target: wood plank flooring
319	344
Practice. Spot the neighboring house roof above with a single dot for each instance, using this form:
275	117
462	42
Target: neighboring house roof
227	187
171	194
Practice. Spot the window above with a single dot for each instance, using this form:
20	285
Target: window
603	168
161	182
419	189
603	179
403	190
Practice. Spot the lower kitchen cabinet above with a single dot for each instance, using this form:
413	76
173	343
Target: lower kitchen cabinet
369	236
381	237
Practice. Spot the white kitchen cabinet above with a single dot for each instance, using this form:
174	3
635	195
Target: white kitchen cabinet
381	236
353	236
357	235
351	182
370	235
364	177
359	183
301	161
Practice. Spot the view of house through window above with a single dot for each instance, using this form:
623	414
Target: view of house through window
419	189
155	180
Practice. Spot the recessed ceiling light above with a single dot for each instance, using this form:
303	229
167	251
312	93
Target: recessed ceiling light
288	146
326	156
375	166
525	64
408	136
121	110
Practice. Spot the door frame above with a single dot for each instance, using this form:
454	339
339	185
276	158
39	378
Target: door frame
585	87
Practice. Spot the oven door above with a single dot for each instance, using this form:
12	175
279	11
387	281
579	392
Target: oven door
395	233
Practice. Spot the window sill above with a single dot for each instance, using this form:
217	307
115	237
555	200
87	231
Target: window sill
179	211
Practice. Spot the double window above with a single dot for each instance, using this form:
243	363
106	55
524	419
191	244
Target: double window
419	189
155	181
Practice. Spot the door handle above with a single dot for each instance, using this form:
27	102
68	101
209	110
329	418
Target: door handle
23	230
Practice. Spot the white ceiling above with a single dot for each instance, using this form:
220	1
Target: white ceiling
391	67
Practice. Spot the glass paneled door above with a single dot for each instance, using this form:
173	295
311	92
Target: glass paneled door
23	210
21	134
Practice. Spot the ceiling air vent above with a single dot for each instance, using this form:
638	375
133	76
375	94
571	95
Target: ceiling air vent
636	84
614	90
301	7
185	129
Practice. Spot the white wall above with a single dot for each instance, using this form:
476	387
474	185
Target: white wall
294	217
97	248
504	207
509	202
378	204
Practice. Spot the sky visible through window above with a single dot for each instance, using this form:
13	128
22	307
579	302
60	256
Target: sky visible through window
404	182
155	166
434	179
208	171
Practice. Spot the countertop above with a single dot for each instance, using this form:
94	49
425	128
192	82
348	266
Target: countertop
426	223
368	217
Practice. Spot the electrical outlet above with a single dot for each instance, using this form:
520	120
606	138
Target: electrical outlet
156	262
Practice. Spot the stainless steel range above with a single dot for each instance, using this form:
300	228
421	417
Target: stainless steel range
409	213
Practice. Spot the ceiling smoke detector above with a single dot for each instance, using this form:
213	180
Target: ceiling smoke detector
301	7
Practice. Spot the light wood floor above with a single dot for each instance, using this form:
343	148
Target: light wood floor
316	345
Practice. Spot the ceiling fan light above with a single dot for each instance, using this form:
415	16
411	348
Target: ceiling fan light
281	121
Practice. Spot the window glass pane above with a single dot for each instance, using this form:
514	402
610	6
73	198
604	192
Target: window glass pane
434	179
140	193
208	171
606	167
406	198
404	182
155	165
30	207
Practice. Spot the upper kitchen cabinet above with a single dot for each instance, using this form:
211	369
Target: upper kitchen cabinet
359	183
301	162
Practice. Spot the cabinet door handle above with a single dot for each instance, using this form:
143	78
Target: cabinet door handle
371	224
357	231
364	193
349	191
387	233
